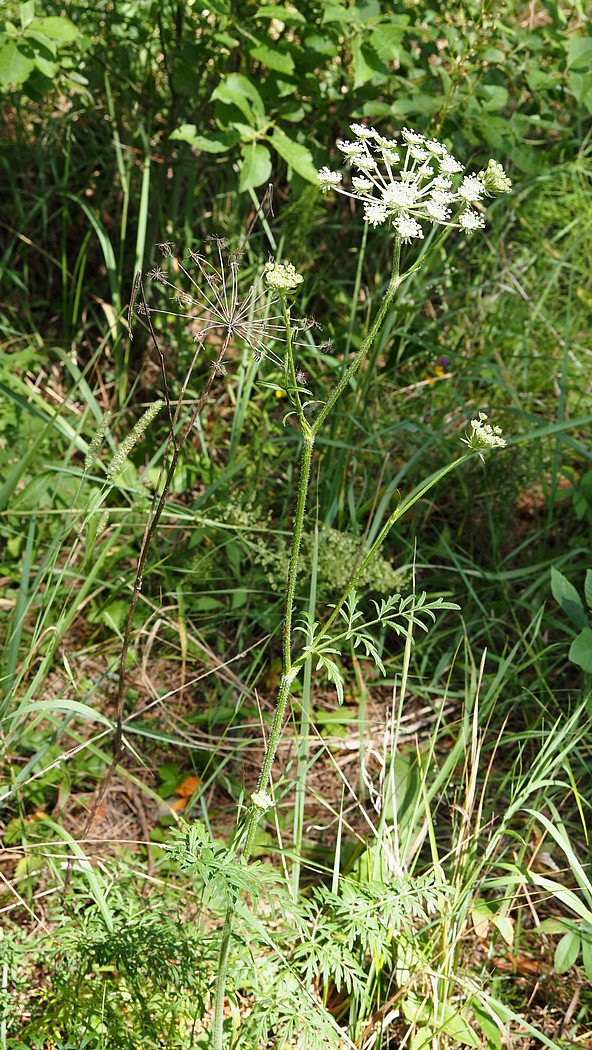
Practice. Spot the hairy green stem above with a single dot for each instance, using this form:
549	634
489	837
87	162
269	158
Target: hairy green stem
290	670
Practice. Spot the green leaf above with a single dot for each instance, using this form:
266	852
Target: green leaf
297	156
568	598
505	926
213	142
554	925
588	589
334	12
540	80
422	1038
256	166
283	14
579	53
386	38
487	1024
273	58
237	90
566	952
457	1028
366	62
61	29
580	650
27	13
47	69
566	896
493	97
73	707
586	938
15	67
581	86
333	673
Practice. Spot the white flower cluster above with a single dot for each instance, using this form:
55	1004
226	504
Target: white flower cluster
412	181
282	277
483	436
262	800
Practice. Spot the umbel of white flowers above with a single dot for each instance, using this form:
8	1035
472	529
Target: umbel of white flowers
413	181
483	436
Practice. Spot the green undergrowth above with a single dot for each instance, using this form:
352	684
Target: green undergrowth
422	875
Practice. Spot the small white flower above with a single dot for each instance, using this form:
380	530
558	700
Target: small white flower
390	156
361	184
262	800
389	144
412	137
435	147
483	436
351	149
328	179
437	211
471	220
449	165
407	228
362	132
442	183
398	195
471	188
441	196
364	163
375	213
282	277
418	153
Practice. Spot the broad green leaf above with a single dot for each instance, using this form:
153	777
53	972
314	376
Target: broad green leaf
422	1038
27	13
581	86
579	53
333	12
273	58
58	29
386	39
321	45
237	90
43	41
48	69
554	925
256	166
568	598
455	1026
366	62
505	925
488	1026
493	97
283	14
566	952
297	156
15	67
580	650
540	80
213	142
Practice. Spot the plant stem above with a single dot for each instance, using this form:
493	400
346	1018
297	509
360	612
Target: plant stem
290	670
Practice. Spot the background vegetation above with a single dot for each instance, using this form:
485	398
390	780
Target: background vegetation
129	125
